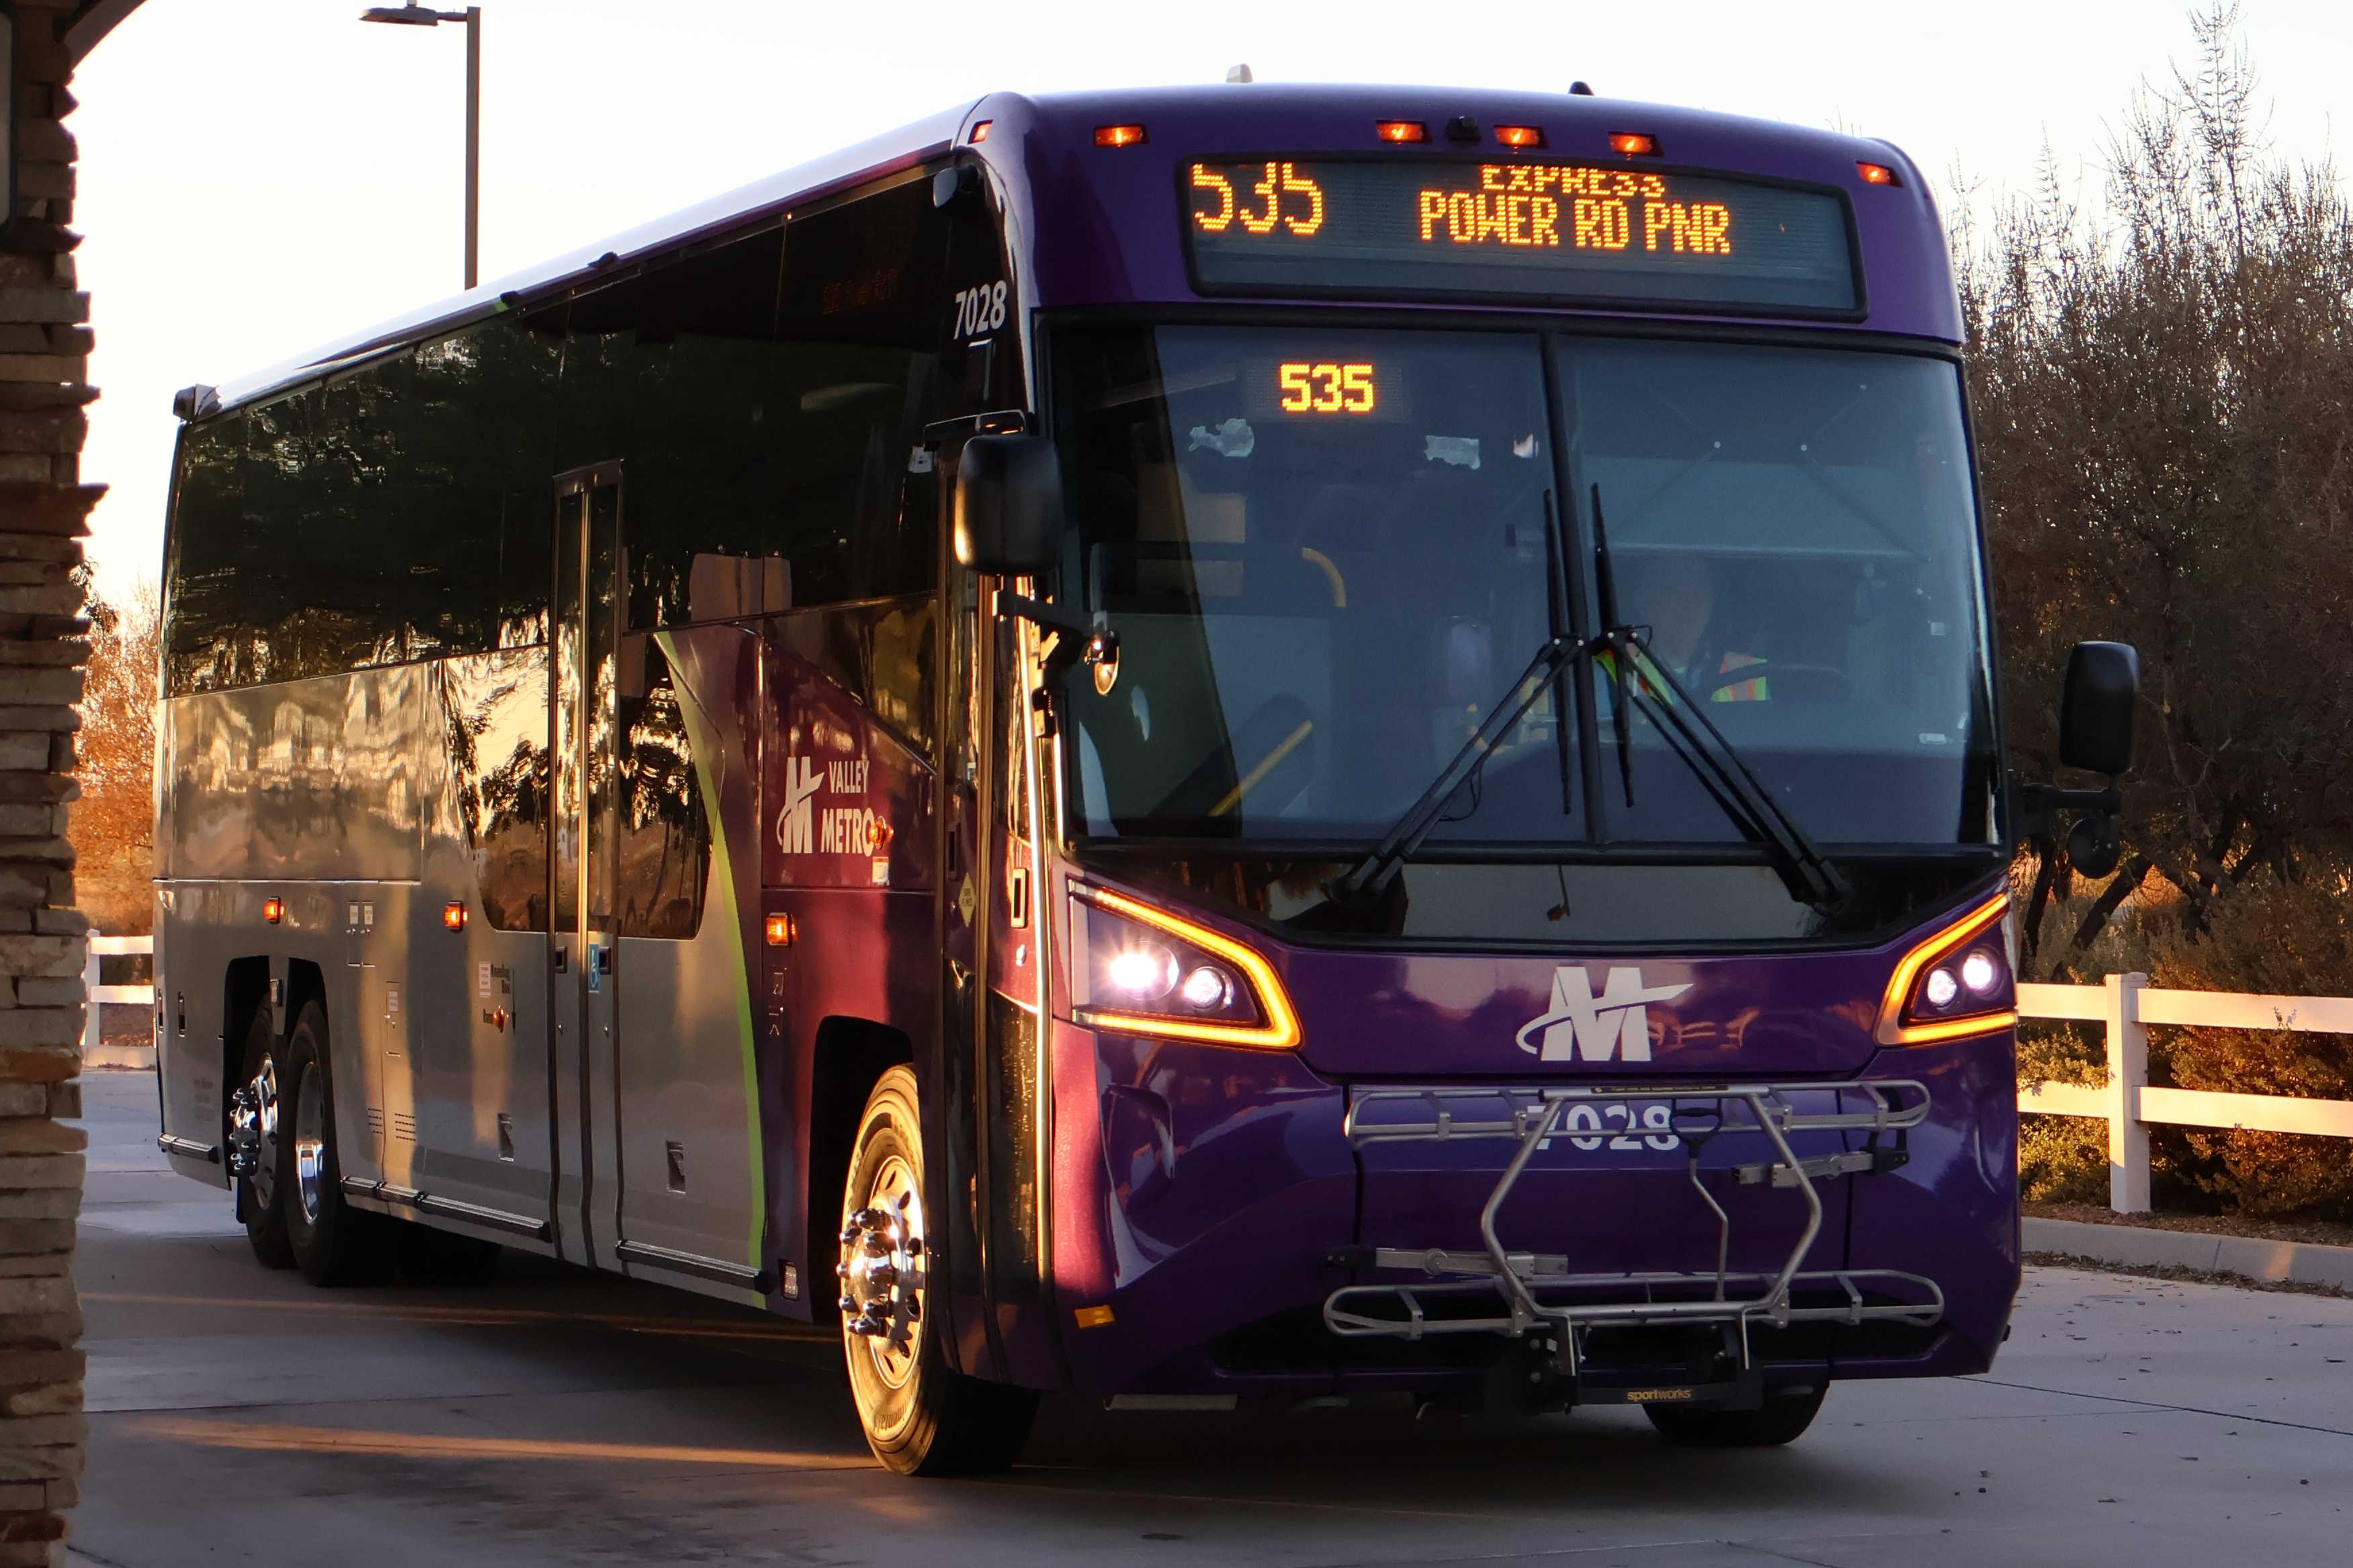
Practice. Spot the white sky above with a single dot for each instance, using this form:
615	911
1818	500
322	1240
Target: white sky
259	177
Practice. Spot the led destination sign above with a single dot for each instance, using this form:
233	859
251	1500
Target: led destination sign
1407	226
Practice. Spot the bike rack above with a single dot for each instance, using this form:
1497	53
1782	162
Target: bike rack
1527	1284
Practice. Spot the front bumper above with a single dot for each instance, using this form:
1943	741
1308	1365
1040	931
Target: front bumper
1281	1234
1524	1295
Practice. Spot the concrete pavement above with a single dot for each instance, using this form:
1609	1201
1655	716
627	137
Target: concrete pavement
238	1416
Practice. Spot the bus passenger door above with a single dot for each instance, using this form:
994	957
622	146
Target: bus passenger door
583	972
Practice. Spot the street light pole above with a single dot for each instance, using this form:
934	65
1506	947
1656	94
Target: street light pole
473	145
415	15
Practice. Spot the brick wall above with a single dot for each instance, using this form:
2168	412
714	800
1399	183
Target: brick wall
44	513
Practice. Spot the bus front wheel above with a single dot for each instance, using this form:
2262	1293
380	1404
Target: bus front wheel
920	1416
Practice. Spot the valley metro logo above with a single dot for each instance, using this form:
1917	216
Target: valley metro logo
796	824
1581	1026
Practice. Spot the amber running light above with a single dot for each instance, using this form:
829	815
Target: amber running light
273	909
1877	174
780	930
1633	144
980	132
453	915
1119	135
1520	135
1401	131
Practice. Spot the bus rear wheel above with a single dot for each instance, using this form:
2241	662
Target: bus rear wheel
257	1134
1783	1419
920	1417
332	1243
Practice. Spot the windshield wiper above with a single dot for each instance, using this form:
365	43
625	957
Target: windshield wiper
1410	829
1682	720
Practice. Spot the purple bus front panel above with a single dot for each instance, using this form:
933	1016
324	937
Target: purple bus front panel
1212	1198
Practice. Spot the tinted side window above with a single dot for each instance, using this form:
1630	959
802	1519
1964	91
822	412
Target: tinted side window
768	397
208	642
396	512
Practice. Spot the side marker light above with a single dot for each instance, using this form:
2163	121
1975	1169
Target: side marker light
273	909
453	915
1877	174
1119	136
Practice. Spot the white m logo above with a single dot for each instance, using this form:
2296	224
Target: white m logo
1579	1024
796	825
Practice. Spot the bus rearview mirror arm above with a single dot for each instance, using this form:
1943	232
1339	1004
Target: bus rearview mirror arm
1074	639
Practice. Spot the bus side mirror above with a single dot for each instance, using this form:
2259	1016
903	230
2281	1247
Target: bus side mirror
2095	715
1009	505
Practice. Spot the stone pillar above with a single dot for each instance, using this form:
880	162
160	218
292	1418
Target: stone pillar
44	513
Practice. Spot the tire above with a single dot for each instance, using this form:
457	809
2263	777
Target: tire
1783	1419
332	1243
257	1191
920	1417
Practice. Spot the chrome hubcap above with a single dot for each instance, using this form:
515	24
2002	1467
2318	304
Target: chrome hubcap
310	1144
881	1272
253	1132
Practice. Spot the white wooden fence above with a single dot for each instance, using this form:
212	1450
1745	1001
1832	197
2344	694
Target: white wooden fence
2127	1005
142	994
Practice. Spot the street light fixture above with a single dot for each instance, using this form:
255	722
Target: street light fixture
426	16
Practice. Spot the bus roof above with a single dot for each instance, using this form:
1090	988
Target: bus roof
1103	225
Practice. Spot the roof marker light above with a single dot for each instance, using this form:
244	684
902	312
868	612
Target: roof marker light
1401	131
1119	135
1633	144
980	132
1520	135
1877	174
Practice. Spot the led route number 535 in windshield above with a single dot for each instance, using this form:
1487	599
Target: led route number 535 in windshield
1325	388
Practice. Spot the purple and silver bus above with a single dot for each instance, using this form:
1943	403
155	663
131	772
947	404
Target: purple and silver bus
1191	747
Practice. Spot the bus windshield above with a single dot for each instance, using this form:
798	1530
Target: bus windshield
1328	553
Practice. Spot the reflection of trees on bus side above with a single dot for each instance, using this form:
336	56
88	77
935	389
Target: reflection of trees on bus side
495	706
665	839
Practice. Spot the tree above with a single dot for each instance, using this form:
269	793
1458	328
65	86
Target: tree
2164	401
112	825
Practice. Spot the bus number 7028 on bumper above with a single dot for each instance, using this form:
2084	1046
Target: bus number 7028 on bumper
1621	1125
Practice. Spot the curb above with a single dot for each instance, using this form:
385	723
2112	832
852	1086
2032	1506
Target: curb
2295	1262
137	1058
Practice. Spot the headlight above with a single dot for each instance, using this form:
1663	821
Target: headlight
1137	970
1956	983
